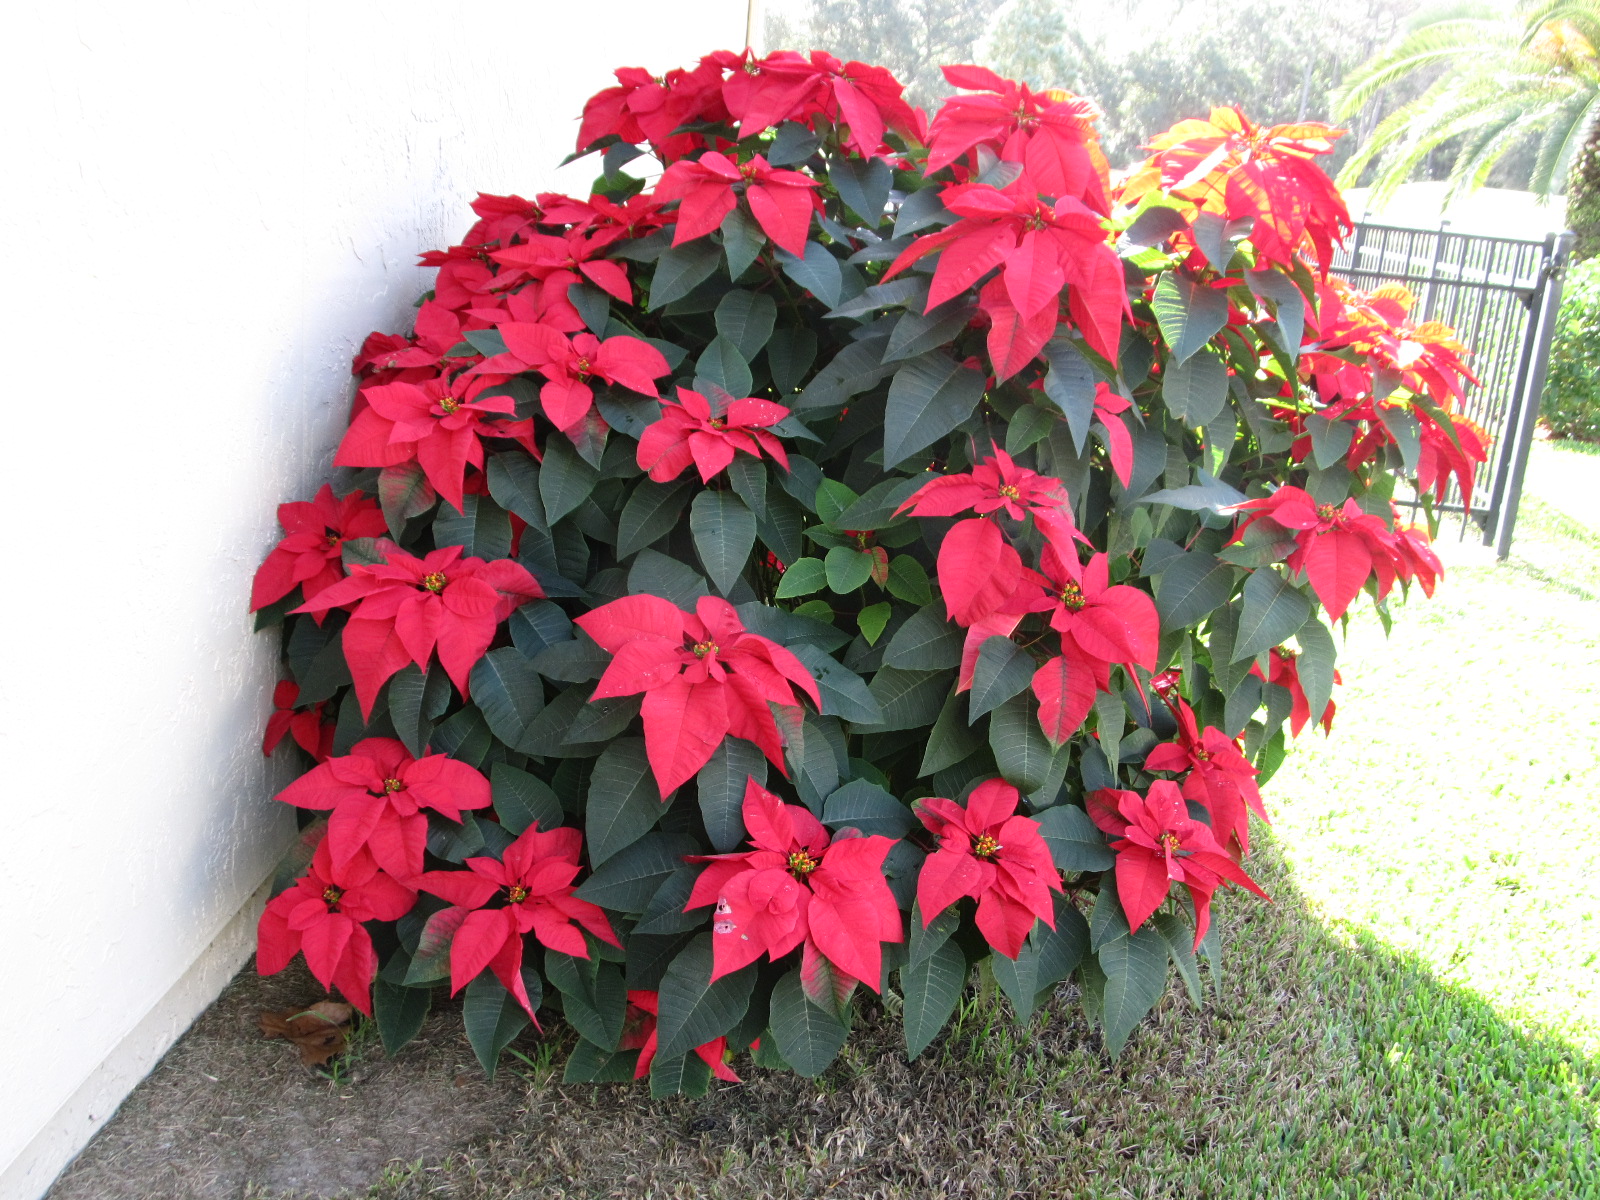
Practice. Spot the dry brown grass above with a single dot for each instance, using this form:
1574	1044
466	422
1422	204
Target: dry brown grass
989	1110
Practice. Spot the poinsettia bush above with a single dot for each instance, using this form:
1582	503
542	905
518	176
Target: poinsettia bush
875	550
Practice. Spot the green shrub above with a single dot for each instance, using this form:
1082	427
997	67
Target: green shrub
1571	404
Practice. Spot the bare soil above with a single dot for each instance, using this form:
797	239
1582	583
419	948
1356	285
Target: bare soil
228	1113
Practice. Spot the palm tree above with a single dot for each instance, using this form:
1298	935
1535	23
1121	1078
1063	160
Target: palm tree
1508	78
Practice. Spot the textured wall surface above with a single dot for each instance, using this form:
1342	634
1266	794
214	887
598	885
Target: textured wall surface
214	202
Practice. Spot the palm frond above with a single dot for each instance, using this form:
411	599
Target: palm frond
1561	144
1474	106
1582	15
1463	40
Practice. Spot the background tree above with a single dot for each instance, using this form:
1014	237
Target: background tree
1030	38
1145	62
1506	82
910	37
1188	55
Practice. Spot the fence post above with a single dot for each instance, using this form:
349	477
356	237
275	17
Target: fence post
1544	326
1433	270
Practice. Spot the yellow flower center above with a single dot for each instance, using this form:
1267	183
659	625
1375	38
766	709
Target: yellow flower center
1170	843
434	581
449	404
517	894
1072	597
391	786
1010	492
985	846
331	895
1203	754
1327	512
583	367
331	539
801	864
701	649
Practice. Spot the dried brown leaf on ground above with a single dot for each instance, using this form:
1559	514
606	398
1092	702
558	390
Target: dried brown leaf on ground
318	1031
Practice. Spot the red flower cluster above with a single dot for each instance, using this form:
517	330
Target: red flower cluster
569	364
407	606
639	1033
311	733
1286	674
1340	547
798	887
988	852
1157	845
437	423
533	882
782	202
987	588
1235	169
755	94
1220	778
1041	250
376	795
1051	134
978	569
692	431
703	675
315	531
1422	360
324	915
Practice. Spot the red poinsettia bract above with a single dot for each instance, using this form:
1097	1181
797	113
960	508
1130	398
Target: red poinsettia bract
643	107
1157	845
692	431
1286	674
323	914
1415	557
978	569
1235	169
1041	250
564	259
782	202
990	853
798	887
315	530
639	1033
996	484
703	675
310	732
1101	624
1339	547
407	606
789	86
533	880
376	795
1220	777
437	423
569	364
1050	133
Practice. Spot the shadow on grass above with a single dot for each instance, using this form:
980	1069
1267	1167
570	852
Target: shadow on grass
1325	1065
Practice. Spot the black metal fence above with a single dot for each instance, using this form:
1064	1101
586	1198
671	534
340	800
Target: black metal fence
1501	295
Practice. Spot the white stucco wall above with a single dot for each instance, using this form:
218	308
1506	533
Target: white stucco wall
213	203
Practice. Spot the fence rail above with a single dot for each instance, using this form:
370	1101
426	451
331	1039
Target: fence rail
1501	295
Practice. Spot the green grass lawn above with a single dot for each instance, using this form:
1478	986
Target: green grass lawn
1416	1015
